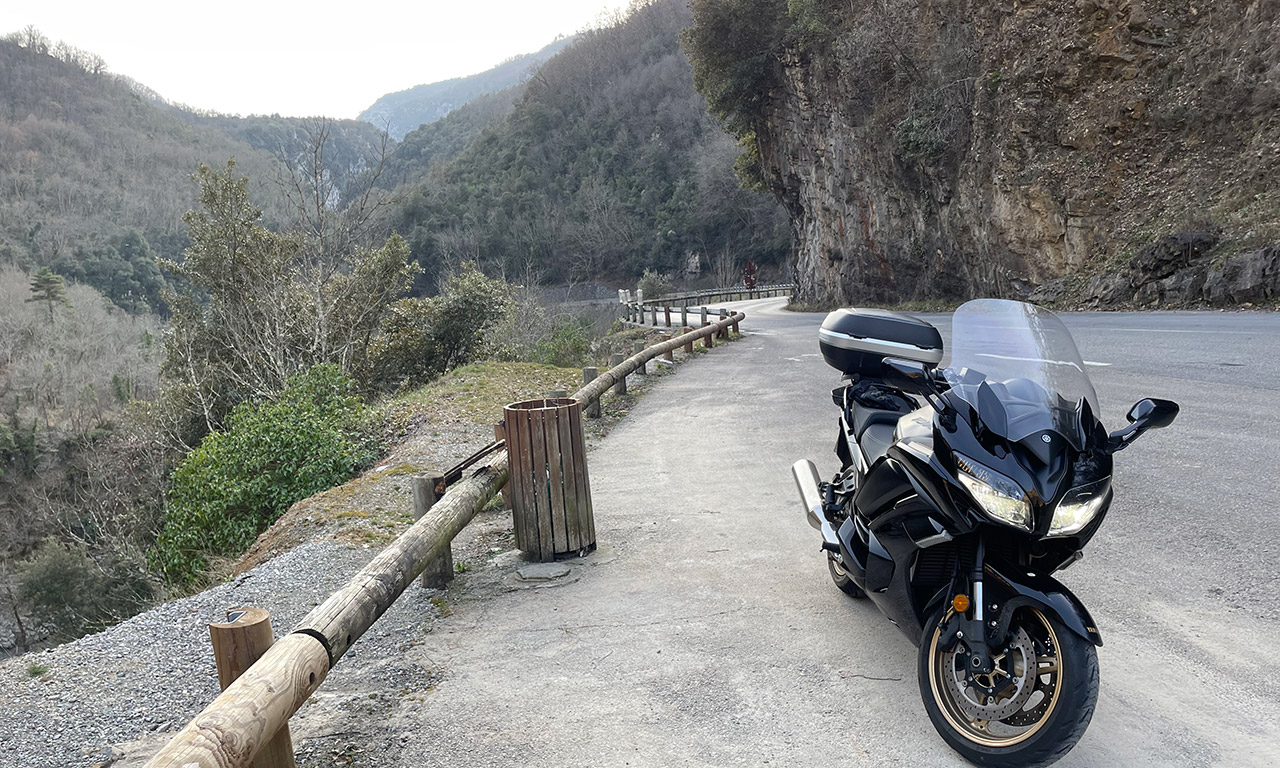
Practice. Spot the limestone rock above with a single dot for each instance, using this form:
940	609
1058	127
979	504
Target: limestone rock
1253	276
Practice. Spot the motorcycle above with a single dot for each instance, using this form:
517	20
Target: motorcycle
960	491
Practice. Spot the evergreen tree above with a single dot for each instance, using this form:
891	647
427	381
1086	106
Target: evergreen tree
49	288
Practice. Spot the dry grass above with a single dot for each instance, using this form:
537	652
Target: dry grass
476	393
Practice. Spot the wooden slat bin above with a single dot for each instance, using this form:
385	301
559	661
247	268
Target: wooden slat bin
550	491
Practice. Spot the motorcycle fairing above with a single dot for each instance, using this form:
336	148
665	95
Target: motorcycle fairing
880	555
1011	587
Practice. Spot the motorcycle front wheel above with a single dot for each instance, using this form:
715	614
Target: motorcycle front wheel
1033	707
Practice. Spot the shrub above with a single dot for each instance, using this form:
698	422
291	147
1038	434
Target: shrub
313	436
70	593
654	284
423	338
567	346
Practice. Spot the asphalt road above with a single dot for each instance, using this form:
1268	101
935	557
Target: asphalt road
706	631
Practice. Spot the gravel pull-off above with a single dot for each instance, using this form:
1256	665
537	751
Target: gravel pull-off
146	677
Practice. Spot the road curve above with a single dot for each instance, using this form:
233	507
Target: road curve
706	631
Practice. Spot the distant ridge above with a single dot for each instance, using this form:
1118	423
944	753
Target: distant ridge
403	111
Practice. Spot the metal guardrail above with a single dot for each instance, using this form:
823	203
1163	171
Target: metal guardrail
735	293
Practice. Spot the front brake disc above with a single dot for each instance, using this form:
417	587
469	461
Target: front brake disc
1016	669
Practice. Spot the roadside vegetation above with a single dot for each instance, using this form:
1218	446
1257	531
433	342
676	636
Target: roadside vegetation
171	383
139	457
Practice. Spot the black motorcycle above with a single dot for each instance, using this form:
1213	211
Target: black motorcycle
960	491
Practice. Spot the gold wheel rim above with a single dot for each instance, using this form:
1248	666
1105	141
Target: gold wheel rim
978	731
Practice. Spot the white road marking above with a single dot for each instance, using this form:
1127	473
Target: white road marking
1175	330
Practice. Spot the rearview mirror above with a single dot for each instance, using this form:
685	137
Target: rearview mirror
909	376
1153	414
1148	413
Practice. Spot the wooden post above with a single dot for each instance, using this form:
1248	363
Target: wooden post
237	643
636	349
257	705
667	312
592	409
688	346
684	316
655	315
427	489
500	433
724	315
736	332
709	340
670	354
614	361
704	317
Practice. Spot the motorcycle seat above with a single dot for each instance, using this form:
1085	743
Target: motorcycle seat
876	439
875	417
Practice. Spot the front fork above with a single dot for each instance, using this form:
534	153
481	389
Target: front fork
967	622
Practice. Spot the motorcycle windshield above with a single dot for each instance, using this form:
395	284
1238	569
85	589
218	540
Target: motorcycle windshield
1018	367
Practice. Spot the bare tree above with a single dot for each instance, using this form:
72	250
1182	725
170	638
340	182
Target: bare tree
725	268
334	215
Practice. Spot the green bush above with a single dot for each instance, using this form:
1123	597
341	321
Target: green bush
568	345
423	338
70	593
314	436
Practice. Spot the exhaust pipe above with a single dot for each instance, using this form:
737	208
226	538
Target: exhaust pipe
806	475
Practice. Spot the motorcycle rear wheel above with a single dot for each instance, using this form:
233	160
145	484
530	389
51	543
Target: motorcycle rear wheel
1034	718
841	578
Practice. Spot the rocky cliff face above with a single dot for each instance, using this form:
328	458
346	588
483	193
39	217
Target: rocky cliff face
1104	151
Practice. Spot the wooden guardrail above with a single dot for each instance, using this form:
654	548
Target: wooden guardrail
253	708
676	317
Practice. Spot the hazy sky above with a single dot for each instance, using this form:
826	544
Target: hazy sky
299	58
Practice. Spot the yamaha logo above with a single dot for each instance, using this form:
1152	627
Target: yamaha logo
1046	438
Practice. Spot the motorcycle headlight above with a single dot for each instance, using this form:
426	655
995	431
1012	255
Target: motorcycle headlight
1001	498
1079	507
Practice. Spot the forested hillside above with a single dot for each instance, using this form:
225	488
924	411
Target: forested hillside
606	165
95	173
353	148
434	144
401	112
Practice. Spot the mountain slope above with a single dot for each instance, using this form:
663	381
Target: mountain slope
433	144
86	164
403	111
606	165
95	169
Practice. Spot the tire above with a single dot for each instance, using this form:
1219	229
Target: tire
841	578
1050	711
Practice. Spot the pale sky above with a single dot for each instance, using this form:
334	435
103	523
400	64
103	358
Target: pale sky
299	58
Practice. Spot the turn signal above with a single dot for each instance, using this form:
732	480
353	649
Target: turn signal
960	603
